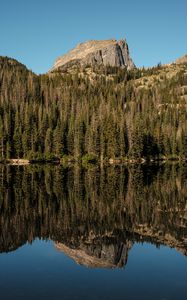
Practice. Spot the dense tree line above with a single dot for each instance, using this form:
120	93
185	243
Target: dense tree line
108	114
75	205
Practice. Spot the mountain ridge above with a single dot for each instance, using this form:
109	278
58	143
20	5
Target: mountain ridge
17	63
98	52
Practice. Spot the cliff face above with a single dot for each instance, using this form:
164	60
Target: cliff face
98	253
108	52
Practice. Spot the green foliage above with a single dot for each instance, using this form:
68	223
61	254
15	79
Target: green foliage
89	159
108	114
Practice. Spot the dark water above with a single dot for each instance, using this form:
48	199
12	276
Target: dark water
74	233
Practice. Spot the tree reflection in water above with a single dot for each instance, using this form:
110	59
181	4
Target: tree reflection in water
94	215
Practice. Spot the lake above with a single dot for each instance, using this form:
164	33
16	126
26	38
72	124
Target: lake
109	233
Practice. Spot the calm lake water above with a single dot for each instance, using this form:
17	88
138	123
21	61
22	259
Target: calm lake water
90	233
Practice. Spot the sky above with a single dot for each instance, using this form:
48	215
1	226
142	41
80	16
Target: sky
36	32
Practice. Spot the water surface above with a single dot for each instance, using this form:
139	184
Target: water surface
74	233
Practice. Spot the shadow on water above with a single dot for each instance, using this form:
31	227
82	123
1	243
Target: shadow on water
94	215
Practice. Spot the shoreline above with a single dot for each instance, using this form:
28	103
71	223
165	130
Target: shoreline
111	161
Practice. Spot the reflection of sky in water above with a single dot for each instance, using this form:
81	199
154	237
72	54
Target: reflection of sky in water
39	271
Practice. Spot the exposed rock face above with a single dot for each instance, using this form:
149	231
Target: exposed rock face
108	52
98	254
182	60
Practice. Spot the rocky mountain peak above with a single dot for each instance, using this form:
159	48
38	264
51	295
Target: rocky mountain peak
98	52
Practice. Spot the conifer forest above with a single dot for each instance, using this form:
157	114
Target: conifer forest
96	113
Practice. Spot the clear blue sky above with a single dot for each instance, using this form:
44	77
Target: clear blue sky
35	32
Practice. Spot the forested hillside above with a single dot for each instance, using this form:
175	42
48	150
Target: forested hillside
93	112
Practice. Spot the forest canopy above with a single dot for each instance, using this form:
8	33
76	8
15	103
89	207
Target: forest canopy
98	112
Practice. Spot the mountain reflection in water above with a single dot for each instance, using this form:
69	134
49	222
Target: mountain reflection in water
94	215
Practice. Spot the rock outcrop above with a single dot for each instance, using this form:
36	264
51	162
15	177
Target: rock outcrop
182	60
105	52
98	254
